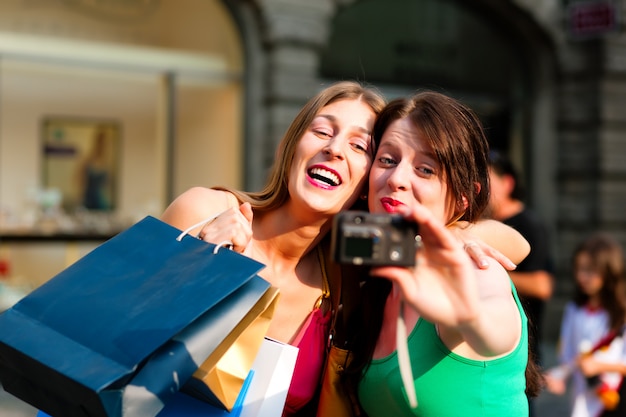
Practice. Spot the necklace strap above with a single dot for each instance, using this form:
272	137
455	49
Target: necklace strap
325	285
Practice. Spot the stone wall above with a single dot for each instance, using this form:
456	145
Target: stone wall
578	150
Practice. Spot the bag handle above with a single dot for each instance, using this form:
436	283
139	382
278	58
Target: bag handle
225	243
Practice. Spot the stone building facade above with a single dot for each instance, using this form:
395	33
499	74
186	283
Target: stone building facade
548	77
572	139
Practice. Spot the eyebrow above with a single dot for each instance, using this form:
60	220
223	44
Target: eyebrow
394	143
333	119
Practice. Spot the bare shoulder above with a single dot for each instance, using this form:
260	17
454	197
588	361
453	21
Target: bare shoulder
494	281
501	316
197	204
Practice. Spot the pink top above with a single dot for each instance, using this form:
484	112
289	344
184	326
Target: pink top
311	341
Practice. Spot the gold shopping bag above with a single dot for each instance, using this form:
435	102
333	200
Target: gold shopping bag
221	376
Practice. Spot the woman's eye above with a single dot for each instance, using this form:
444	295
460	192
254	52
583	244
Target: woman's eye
384	160
360	145
324	133
426	171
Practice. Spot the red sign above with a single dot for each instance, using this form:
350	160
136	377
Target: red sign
591	18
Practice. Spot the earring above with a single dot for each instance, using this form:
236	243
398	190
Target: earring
363	197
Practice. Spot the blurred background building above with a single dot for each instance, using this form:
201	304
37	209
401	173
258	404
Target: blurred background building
198	92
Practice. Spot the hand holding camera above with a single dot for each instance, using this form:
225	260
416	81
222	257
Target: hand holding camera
377	239
363	238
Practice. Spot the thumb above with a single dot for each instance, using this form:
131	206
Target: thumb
246	210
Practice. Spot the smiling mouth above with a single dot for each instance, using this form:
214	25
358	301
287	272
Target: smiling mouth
324	176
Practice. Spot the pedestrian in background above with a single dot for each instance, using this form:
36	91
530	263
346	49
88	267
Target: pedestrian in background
592	351
533	277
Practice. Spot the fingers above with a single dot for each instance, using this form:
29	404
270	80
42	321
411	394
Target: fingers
246	210
233	225
504	261
434	232
477	254
480	253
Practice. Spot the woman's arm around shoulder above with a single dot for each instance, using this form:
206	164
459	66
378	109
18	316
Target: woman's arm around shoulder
500	237
195	205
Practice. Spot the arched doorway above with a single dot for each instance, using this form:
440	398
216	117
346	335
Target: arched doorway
490	56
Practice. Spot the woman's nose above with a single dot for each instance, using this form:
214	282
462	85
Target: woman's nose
399	178
334	148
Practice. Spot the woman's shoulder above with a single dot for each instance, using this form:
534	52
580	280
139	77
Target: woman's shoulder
208	196
494	280
573	309
196	204
217	199
570	306
573	312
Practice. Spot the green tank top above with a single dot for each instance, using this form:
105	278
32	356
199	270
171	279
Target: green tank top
446	384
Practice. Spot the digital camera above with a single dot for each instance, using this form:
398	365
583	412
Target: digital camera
363	238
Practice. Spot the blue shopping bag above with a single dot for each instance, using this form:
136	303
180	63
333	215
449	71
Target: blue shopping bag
124	328
183	405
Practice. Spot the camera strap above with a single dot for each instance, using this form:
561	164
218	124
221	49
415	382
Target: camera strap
404	358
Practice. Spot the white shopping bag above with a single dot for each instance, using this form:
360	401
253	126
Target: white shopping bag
273	369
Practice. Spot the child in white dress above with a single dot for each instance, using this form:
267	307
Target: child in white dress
591	347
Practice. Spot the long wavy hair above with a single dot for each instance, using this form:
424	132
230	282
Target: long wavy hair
275	192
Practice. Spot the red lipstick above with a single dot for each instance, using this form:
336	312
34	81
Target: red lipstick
391	205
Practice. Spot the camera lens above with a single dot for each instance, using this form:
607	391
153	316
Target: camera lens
395	254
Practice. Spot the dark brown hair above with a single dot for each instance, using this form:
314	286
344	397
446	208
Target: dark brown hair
456	136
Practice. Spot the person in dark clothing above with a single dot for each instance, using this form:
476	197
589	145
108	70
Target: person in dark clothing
533	277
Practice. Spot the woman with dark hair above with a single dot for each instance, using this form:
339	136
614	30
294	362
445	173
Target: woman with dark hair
467	332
